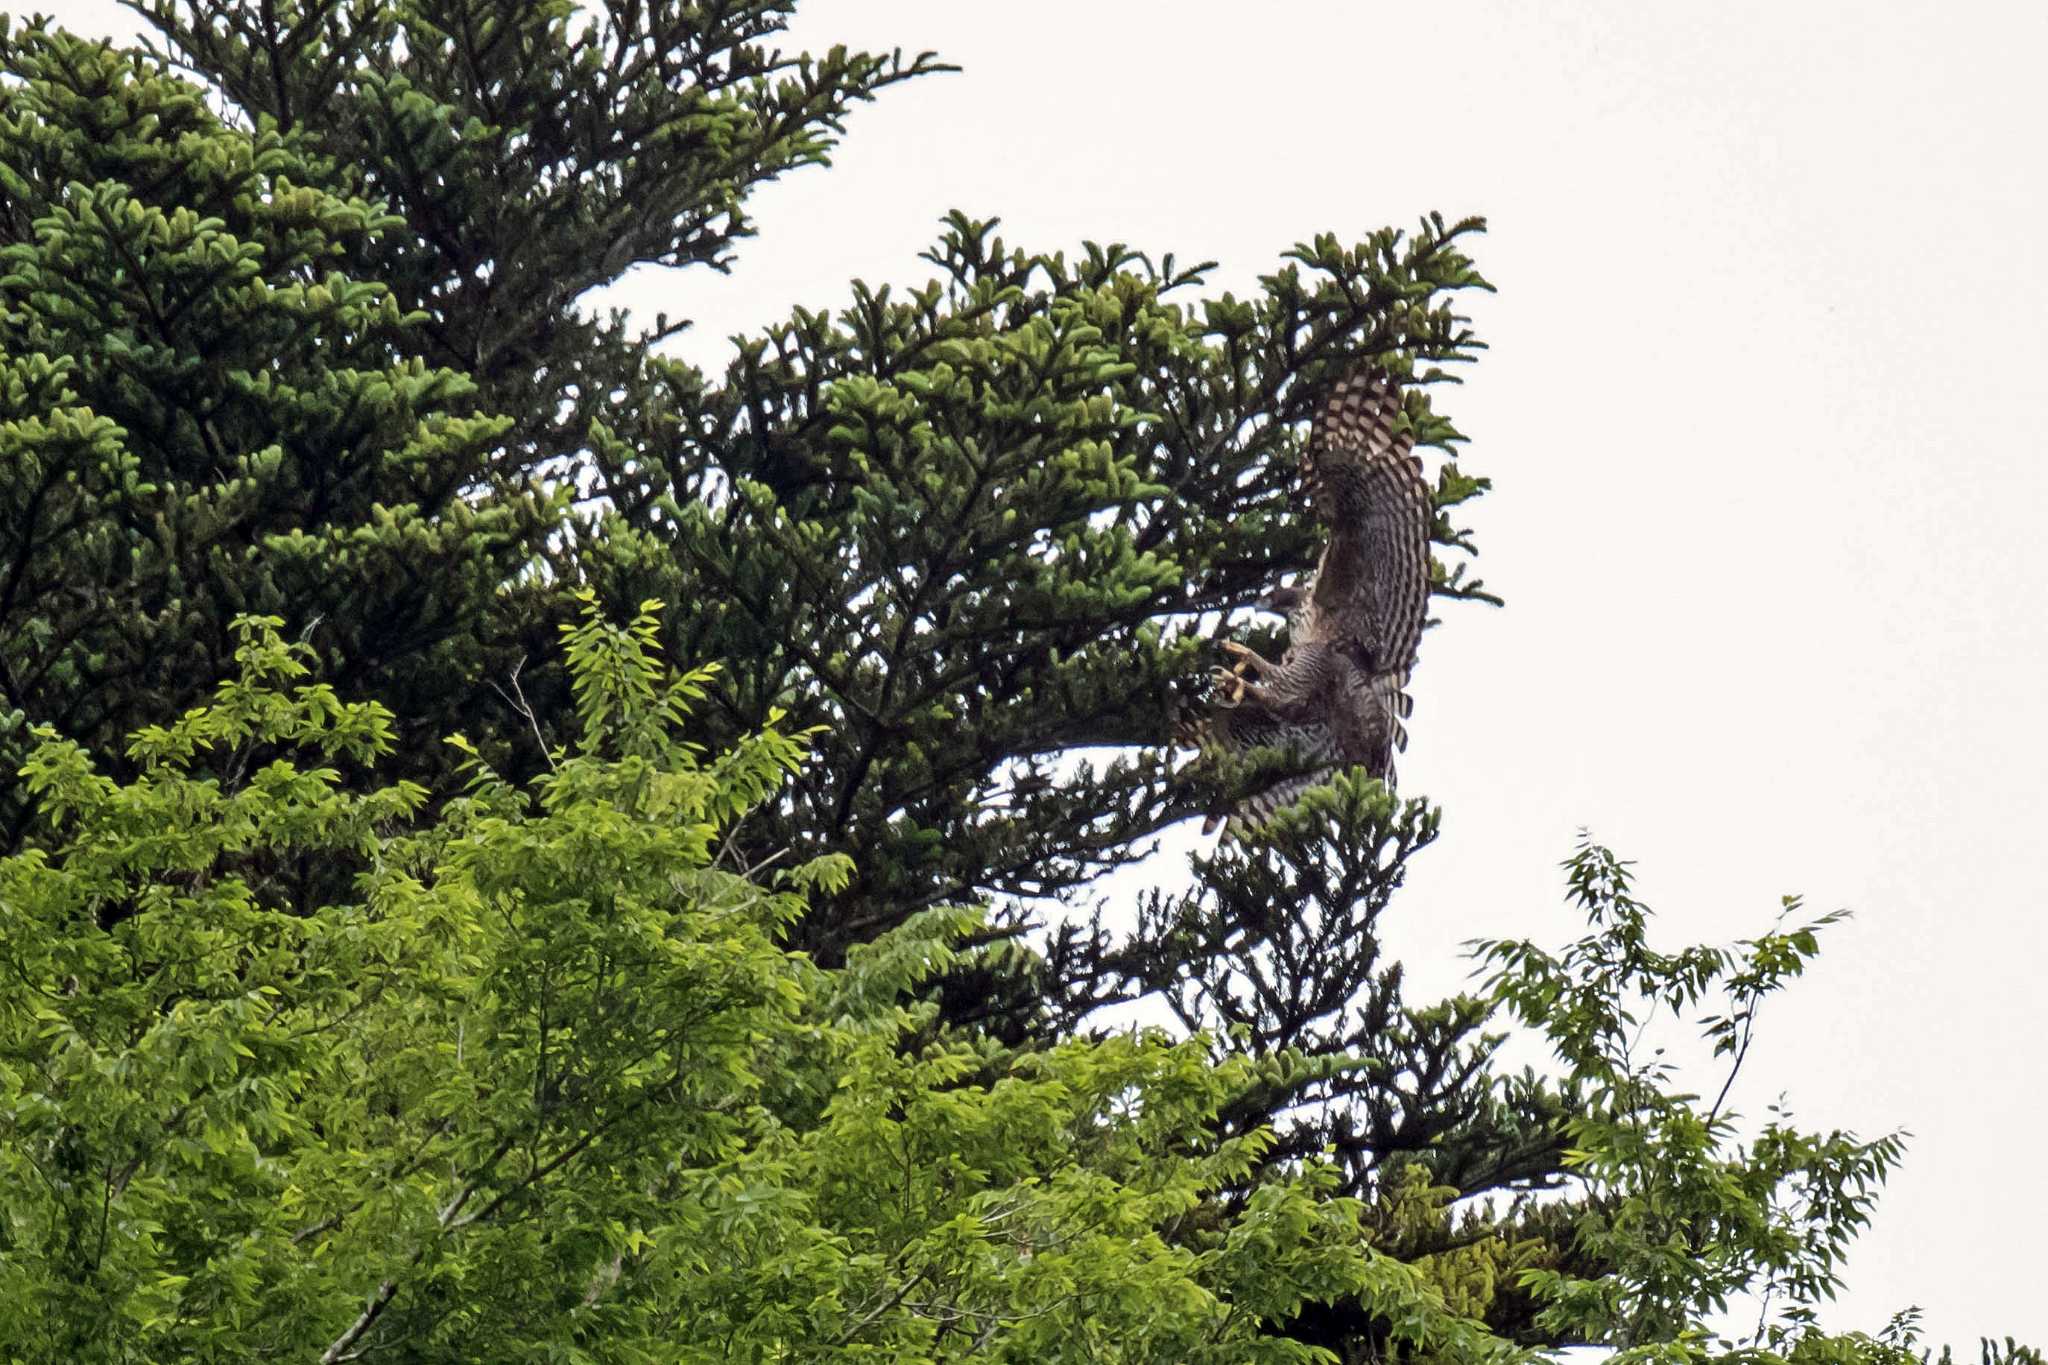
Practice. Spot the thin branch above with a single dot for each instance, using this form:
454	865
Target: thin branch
516	699
339	1350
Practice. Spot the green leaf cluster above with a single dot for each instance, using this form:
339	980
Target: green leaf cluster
1681	1211
546	1084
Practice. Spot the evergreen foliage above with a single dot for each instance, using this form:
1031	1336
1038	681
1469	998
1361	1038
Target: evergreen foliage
538	150
207	409
574	1038
963	529
975	527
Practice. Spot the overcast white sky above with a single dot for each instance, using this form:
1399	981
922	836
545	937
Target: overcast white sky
1764	409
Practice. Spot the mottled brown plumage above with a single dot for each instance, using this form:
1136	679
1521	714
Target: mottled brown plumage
1338	696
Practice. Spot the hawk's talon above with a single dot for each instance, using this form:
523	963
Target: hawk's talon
1229	686
1247	657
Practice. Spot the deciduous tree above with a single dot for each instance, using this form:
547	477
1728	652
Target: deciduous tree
548	1085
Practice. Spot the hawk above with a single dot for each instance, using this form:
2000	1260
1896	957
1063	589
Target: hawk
1339	694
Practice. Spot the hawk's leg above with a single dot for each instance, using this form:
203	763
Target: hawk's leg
1248	658
1231	682
1236	683
1292	706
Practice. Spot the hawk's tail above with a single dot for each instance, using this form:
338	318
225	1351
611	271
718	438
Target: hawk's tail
1262	806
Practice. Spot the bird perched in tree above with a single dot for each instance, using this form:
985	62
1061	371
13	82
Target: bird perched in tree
1339	694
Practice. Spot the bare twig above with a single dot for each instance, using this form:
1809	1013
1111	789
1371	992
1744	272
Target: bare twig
516	699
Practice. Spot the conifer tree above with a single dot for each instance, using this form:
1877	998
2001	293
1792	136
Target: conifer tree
968	532
963	529
208	409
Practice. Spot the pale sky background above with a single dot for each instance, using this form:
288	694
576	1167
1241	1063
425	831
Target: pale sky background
1764	409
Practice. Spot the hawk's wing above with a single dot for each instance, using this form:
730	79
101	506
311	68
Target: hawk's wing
1371	594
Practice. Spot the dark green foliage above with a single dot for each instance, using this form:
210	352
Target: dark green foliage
1379	1085
204	412
538	150
971	528
965	530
